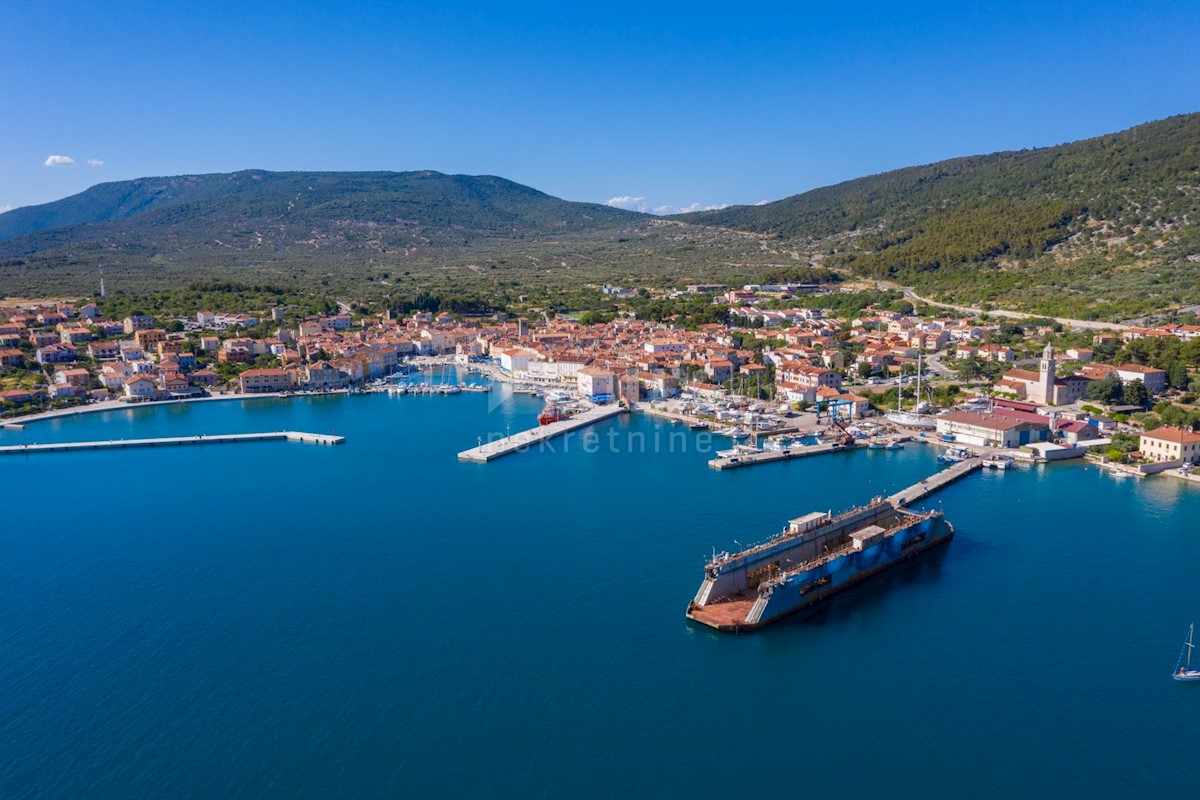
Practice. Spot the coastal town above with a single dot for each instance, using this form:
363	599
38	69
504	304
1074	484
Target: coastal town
771	368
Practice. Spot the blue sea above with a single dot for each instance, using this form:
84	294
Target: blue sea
382	620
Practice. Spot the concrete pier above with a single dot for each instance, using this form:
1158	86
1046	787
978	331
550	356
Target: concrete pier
223	438
767	456
938	480
525	439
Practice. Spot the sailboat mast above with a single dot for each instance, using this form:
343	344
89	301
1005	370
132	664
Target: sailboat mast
1191	631
917	406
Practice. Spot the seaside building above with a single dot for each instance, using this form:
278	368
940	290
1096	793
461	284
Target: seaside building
140	387
265	380
596	384
994	429
1170	444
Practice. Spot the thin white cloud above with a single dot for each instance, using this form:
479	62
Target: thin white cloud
638	203
95	162
6	207
690	208
762	202
59	161
628	202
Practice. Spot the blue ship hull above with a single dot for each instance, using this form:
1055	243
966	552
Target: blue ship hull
806	589
800	569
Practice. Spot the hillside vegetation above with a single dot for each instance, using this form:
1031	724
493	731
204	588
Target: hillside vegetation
373	232
1100	227
1103	228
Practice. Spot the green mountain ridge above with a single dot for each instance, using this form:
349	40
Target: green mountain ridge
1104	226
1098	228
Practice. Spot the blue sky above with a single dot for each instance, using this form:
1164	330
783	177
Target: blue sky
679	104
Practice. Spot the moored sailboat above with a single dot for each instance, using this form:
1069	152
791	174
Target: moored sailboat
1183	670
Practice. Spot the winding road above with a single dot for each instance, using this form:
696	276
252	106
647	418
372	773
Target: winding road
1065	321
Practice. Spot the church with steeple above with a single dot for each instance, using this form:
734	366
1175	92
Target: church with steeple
1044	387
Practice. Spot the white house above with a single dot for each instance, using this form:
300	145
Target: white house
596	382
516	359
140	388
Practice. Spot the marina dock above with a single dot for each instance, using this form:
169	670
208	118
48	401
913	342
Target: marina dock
224	438
526	439
766	456
934	482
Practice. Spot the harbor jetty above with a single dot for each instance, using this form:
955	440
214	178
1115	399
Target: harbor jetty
223	438
526	439
767	456
938	480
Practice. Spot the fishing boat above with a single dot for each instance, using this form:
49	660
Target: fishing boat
699	426
998	462
552	413
1183	670
953	455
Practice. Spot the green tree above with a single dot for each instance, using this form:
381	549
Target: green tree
971	368
1136	394
1106	390
1177	375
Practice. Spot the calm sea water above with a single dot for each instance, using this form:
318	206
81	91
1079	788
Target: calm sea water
380	620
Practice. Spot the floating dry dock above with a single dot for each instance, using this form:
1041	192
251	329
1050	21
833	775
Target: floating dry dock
526	439
818	555
223	438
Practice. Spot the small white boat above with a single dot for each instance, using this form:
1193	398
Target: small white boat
1183	670
738	450
998	462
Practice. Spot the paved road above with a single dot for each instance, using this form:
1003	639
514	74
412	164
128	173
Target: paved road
1065	321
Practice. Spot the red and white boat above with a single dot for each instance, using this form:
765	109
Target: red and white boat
552	413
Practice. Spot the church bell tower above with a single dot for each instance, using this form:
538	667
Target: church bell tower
1046	376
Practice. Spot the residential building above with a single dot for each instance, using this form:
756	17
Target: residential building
140	388
265	380
1154	379
1171	444
137	322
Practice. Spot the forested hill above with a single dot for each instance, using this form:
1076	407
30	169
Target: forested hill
349	231
1108	222
1151	170
211	205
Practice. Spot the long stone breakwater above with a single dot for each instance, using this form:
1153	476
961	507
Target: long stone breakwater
222	438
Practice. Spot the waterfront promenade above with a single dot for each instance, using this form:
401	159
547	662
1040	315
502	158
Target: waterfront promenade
525	439
223	438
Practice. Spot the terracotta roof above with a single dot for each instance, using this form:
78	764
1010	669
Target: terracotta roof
990	421
1176	435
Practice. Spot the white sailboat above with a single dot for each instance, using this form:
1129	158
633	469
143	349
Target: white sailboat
1184	671
914	418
